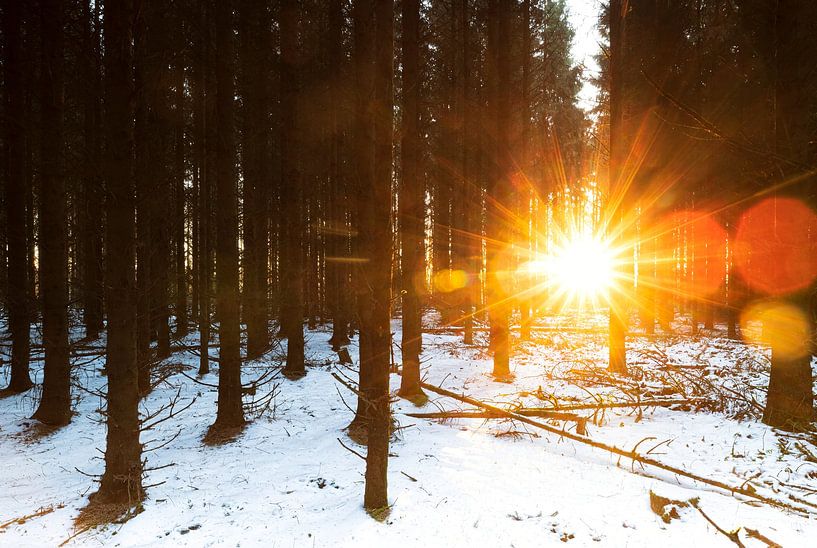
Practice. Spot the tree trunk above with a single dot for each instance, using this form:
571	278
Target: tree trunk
55	406
122	480
618	295
179	198
499	231
158	171
790	400
337	235
255	138
230	409
523	204
374	306
91	235
203	142
292	311
144	182
412	206
15	200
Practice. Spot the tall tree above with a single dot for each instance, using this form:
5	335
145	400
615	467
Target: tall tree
144	171
619	295
179	193
337	234
498	223
790	400
91	234
15	198
122	480
412	206
292	309
55	406
374	310
255	137
230	408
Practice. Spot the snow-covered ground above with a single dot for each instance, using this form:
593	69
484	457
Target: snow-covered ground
287	481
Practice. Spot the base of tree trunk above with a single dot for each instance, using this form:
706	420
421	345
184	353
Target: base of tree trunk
51	416
414	395
293	374
223	432
358	431
16	386
98	513
504	377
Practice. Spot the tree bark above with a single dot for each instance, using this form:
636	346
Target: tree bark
122	479
292	311
15	200
412	206
374	308
55	406
790	400
255	40
179	198
143	183
499	231
618	295
230	409
91	234
337	236
203	142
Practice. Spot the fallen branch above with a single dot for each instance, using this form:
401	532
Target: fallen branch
628	454
612	405
755	534
22	519
731	535
581	422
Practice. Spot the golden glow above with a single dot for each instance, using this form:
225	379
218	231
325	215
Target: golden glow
580	268
447	281
781	323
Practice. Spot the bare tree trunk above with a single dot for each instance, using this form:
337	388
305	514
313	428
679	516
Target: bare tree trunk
412	206
179	199
374	306
15	199
363	180
122	480
144	181
55	406
471	195
499	231
203	141
91	233
337	236
790	400
619	295
292	312
523	204
255	40
230	409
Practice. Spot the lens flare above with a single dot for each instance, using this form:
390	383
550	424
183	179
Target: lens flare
774	246
782	324
447	281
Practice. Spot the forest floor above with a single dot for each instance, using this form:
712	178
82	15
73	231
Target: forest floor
287	481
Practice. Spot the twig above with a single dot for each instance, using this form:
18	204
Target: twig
755	534
731	535
350	449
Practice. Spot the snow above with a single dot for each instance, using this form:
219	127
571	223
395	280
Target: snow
287	481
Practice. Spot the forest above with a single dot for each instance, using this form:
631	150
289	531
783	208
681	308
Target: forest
410	273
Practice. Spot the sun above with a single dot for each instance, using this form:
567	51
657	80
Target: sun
579	269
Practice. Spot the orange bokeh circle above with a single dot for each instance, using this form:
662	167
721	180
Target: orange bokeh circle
774	246
705	251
